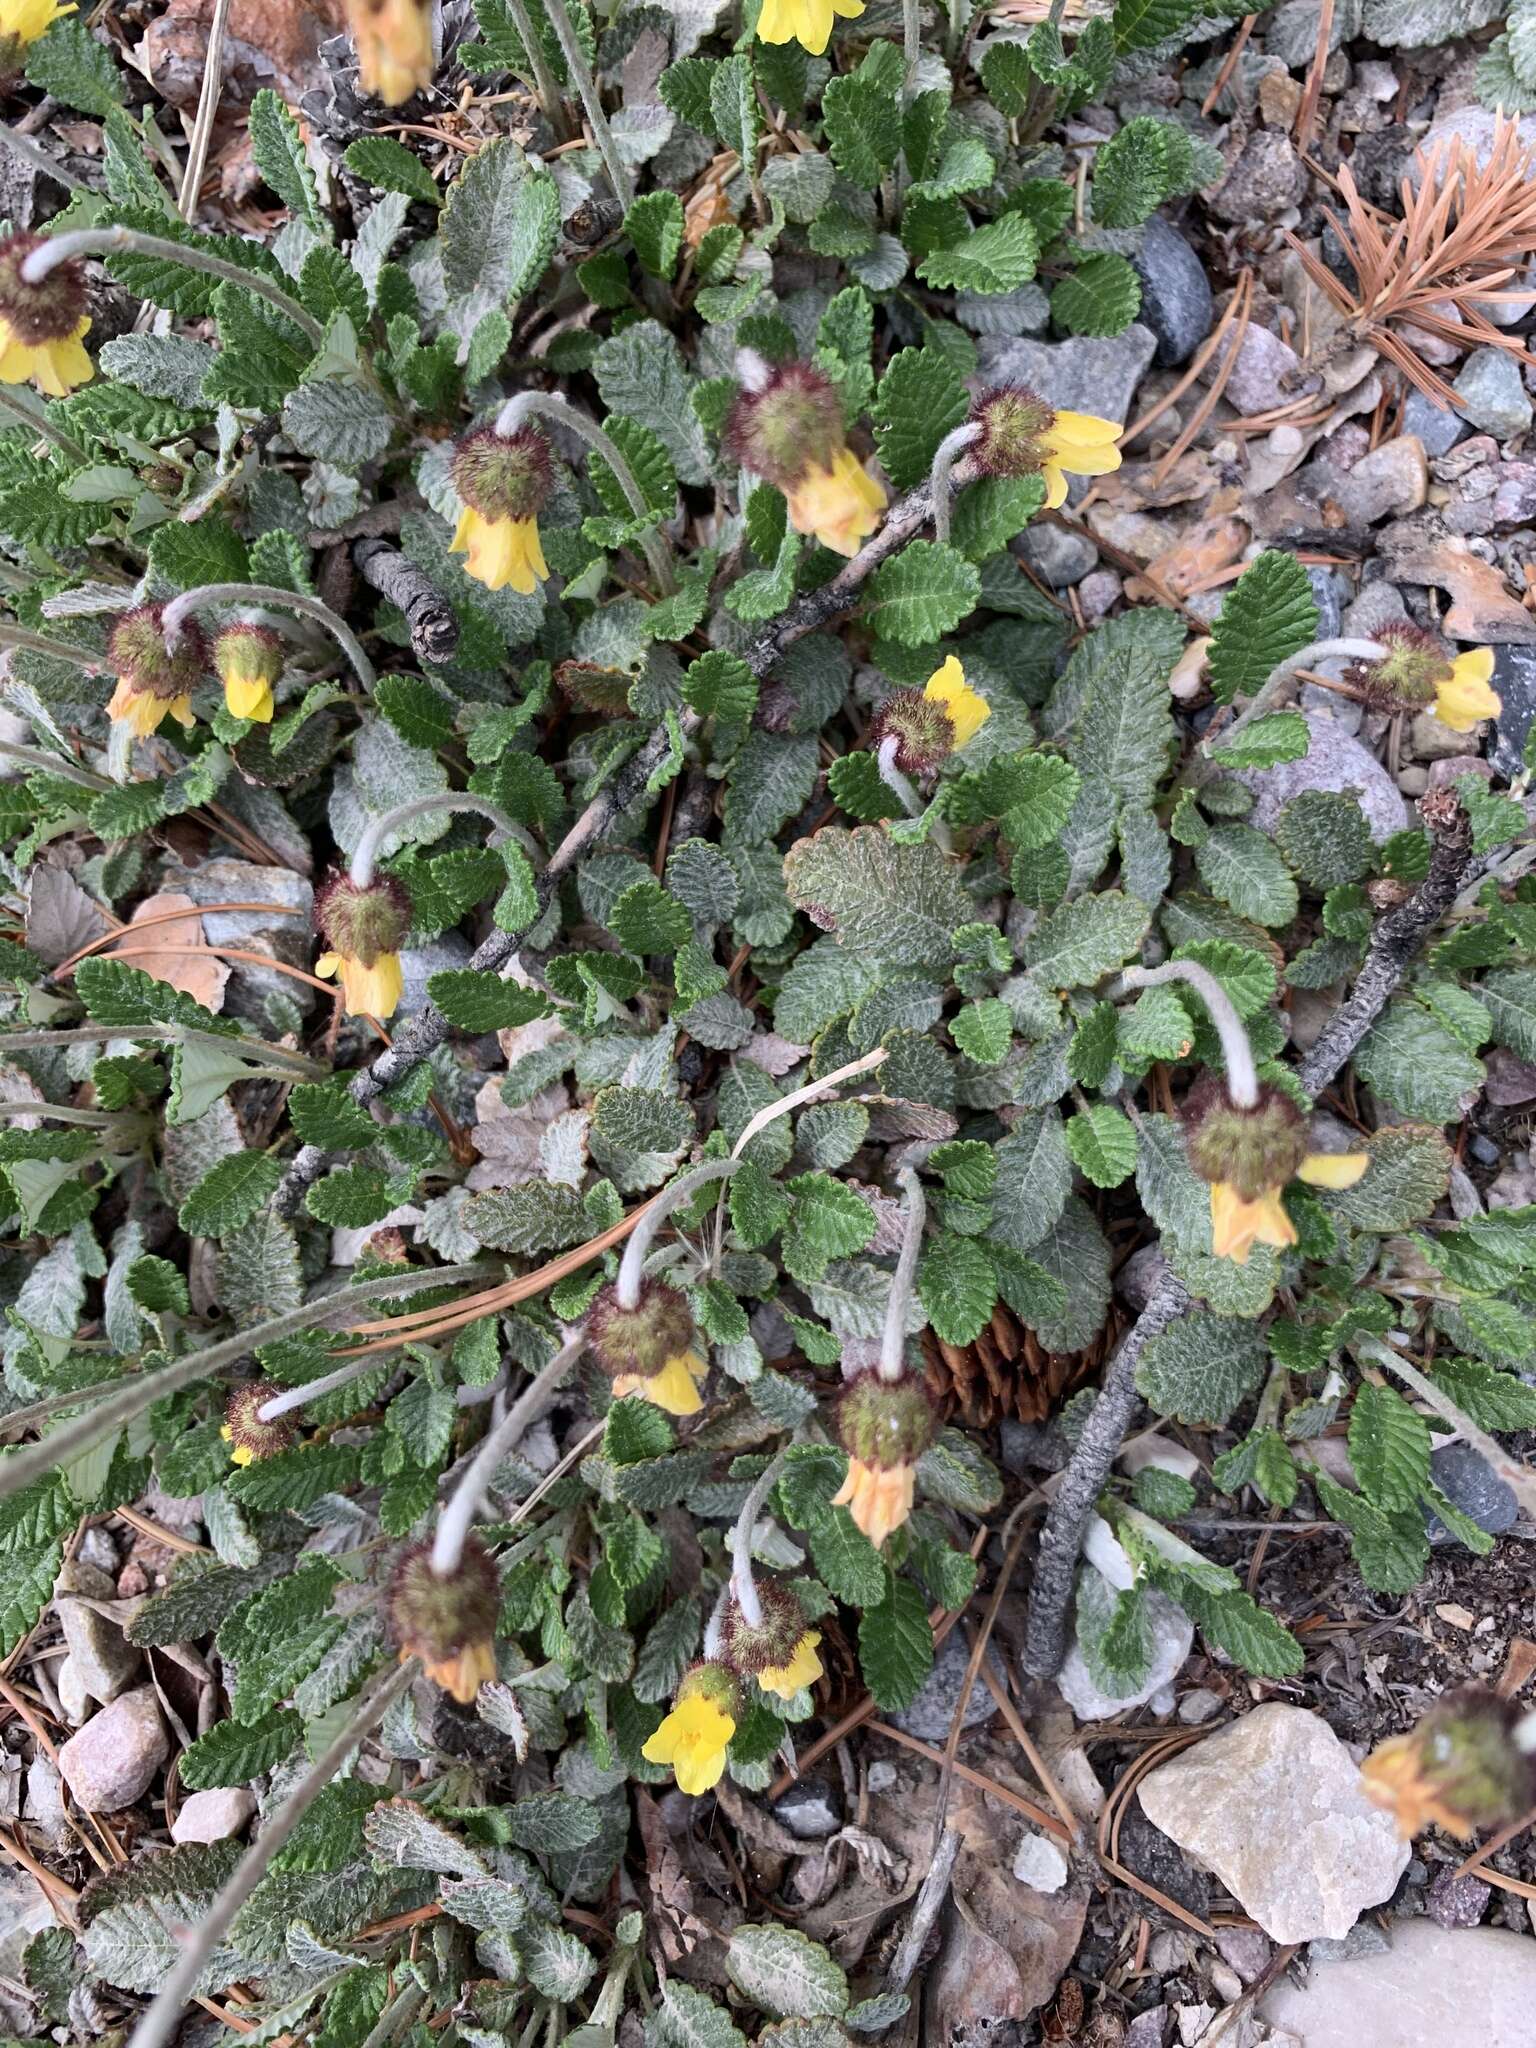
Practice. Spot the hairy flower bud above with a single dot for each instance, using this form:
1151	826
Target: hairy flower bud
449	1622
885	1423
779	1651
504	476
249	1438
41	325
1015	428
923	731
648	1349
1251	1150
1419	671
359	923
138	655
1461	1768
248	660
793	425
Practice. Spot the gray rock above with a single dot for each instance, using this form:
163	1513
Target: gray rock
96	1547
1153	1856
1493	394
1246	1950
1274	1804
1514	679
1365	1938
1175	293
1173	1637
1082	375
1140	1276
1483	1150
45	1804
1345	714
73	1697
419	963
1438	427
1470	1482
114	1758
1422	24
1268	372
1432	740
1393	478
1379	604
105	1662
1149	2029
1330	601
1266	179
1032	1447
1290	33
1437	1988
930	1714
214	1815
1333	761
883	1777
809	1809
1058	557
1457	1901
286	932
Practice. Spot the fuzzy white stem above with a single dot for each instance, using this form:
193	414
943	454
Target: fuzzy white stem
546	86
465	1501
1242	1076
753	373
809	1093
643	1236
742	1582
894	780
586	85
945	456
315	1390
379	829
893	1338
714	1628
180	609
1274	684
19	409
167	2012
551	406
104	241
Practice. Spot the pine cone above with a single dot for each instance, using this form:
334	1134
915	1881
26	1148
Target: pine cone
1004	1372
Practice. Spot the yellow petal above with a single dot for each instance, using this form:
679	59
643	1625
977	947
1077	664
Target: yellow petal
676	1387
803	1668
841	505
1055	486
393	40
693	1739
140	710
968	710
1237	1225
1085	430
878	1498
1465	698
1333	1169
249	697
372	991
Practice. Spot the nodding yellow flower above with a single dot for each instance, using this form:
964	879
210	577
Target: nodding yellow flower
154	682
806	22
1077	444
55	367
393	40
21	23
696	1735
1023	436
840	504
879	1497
1463	1768
968	710
1465	698
803	1668
462	1673
371	989
143	712
1238	1224
448	1622
249	660
501	552
673	1387
41	325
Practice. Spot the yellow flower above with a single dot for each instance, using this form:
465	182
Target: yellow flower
371	991
393	40
462	1673
804	1668
1465	698
840	505
1237	1225
248	659
55	367
807	22
21	23
240	1454
1077	444
879	1497
968	711
674	1388
693	1739
143	712
501	551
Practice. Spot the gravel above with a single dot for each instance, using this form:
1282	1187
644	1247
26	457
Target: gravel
1493	394
1176	298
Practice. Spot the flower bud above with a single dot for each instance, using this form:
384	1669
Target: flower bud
363	924
1404	680
41	325
779	1651
248	660
648	1349
1250	1150
923	731
450	1622
886	1422
504	476
1015	427
793	425
1461	1768
249	1438
154	682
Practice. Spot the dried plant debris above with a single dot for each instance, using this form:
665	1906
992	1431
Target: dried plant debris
767	1015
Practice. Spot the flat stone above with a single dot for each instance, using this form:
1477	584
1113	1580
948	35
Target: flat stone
1514	681
1149	2029
1421	25
114	1758
1514	494
1275	1806
73	1697
1492	393
1267	372
1246	1949
1464	1475
214	1815
1432	740
1176	298
1392	479
1082	375
809	1809
1336	761
930	1714
286	931
1439	427
1039	1863
1267	178
1058	557
105	1662
1436	1988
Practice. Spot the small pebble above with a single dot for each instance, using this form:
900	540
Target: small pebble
1458	1901
1040	1864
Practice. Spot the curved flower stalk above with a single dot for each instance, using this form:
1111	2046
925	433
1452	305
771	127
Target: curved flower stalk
39	264
377	830
786	425
1236	1052
761	1630
177	615
643	1236
941	477
1275	684
893	1335
549	405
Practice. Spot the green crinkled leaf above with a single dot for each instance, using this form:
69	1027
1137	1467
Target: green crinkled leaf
998	257
1414	1063
1101	296
1085	940
229	1194
917	596
1202	1367
896	1644
784	1972
1388	1447
1268	615
892	903
1102	1144
957	1285
1241	867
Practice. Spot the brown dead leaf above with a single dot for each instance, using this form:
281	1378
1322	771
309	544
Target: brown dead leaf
1483	607
709	207
679	1927
508	1140
267	42
161	951
1207	548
